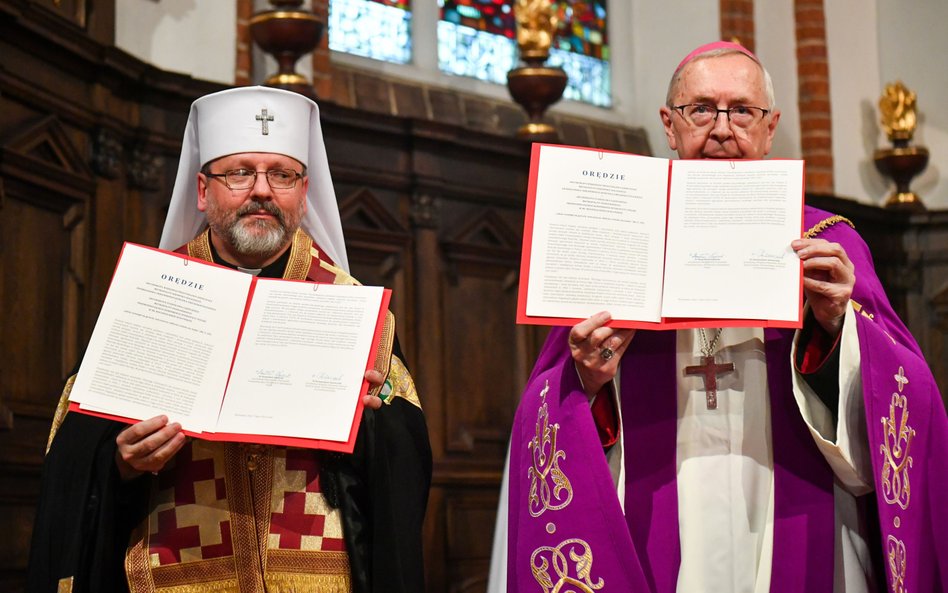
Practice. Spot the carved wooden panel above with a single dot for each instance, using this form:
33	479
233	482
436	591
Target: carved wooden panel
45	196
73	11
939	339
378	245
6	415
480	296
469	518
47	189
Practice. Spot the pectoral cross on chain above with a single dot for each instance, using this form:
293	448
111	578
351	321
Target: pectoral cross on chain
710	370
263	118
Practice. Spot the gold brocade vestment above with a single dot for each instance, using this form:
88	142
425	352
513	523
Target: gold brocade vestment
233	517
242	518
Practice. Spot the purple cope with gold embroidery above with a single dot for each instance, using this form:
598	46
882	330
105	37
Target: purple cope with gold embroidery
567	530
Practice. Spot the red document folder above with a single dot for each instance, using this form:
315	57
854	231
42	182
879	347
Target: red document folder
663	168
79	397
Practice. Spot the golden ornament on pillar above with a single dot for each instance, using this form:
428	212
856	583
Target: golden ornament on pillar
287	32
901	162
535	86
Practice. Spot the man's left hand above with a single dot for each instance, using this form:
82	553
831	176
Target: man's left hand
828	279
375	379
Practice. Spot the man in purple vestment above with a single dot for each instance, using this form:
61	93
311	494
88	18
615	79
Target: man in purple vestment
812	460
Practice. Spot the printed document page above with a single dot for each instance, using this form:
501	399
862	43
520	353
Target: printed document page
598	234
164	339
730	224
301	362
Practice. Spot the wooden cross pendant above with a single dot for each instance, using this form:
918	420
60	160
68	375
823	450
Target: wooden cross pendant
710	370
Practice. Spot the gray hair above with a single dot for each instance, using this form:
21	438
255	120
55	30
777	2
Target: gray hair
714	53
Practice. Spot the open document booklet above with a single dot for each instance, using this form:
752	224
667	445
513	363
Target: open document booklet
229	356
658	243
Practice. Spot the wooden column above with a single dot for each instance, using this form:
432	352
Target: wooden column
429	374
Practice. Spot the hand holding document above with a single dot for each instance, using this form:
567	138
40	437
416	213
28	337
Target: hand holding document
230	356
658	243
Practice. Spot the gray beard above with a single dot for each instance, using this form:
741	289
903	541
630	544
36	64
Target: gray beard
259	238
253	242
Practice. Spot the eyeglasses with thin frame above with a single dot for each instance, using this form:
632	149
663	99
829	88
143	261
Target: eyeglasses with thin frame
702	115
246	178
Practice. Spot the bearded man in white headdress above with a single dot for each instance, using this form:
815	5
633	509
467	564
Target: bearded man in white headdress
143	508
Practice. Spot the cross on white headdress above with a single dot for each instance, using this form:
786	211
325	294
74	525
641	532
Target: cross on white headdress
263	118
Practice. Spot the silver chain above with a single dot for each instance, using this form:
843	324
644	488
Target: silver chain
708	349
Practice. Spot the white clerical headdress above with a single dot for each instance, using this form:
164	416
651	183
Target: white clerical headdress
255	119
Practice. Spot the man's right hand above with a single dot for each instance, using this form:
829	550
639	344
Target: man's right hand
147	446
588	340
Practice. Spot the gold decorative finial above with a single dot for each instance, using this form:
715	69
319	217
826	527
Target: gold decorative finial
901	162
897	106
535	86
536	26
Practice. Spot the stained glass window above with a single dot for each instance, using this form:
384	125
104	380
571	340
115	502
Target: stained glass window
478	38
379	29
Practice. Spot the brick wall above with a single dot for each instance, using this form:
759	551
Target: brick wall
322	73
737	22
816	136
244	72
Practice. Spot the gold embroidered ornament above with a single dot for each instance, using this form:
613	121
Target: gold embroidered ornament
548	483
